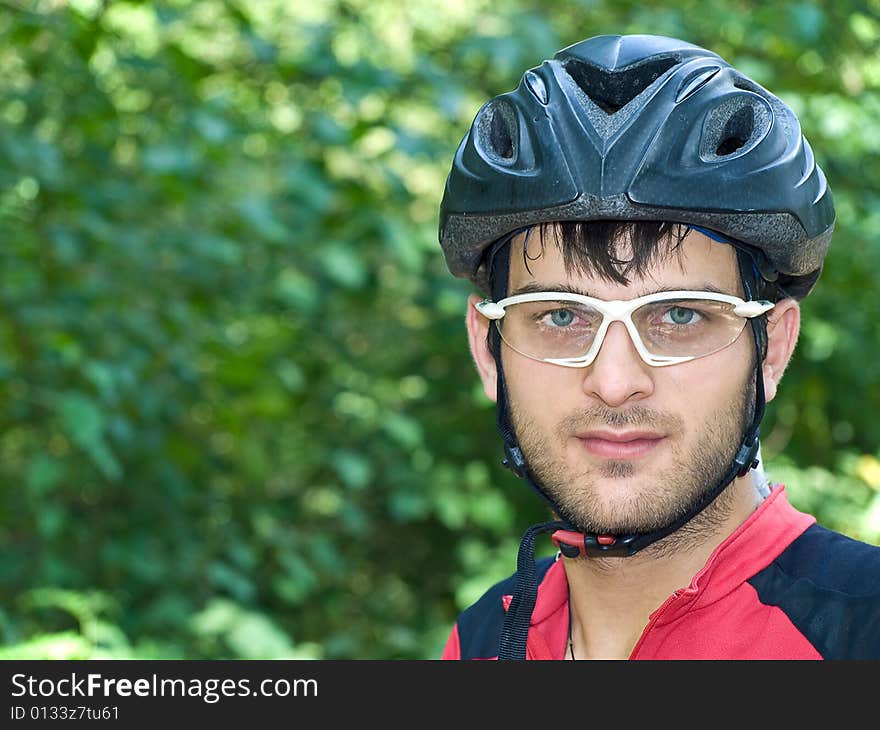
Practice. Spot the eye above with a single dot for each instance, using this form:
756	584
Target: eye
561	317
681	315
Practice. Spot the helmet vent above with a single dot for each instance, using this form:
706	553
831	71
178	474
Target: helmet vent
497	132
735	126
502	142
737	131
612	90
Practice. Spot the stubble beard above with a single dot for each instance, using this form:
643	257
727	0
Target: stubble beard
588	498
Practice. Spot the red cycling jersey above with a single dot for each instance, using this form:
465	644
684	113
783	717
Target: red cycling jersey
779	587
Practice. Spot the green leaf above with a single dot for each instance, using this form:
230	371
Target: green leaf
354	469
343	265
84	424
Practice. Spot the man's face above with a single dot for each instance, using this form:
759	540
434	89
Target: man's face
620	445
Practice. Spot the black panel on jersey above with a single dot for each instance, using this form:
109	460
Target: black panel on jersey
829	587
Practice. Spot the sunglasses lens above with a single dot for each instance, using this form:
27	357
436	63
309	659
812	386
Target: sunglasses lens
551	329
687	327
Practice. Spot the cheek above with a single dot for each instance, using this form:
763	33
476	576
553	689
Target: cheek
538	389
711	382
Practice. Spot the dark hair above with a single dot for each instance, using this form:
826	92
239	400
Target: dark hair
594	247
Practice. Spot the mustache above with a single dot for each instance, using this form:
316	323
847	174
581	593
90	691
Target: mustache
640	416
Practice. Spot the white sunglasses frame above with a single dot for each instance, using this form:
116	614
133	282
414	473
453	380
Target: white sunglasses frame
620	310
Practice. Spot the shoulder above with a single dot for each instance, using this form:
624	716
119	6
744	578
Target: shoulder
828	584
833	560
479	625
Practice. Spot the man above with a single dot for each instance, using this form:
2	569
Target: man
642	221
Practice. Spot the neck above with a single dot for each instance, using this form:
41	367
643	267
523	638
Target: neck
611	599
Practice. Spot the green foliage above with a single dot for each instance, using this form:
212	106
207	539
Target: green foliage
237	413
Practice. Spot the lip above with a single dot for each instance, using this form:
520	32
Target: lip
619	444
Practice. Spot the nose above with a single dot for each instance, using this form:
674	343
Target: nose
618	374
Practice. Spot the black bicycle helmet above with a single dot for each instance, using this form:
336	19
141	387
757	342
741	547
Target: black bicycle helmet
639	127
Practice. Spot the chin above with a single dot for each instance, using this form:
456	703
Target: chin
618	503
623	469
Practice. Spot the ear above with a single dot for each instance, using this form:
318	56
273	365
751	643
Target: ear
478	329
783	327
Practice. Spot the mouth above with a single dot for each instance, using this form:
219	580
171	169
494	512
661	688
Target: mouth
619	445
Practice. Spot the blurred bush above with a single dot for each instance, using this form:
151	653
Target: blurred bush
237	413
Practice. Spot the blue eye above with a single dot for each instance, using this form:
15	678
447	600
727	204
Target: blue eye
682	315
561	317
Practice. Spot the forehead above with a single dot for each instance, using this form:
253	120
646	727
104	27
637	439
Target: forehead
696	263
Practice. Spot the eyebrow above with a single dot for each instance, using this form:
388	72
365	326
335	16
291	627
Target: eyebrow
535	287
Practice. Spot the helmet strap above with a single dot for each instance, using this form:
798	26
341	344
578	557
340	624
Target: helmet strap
499	265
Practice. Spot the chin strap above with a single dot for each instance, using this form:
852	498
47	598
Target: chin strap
515	631
573	544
